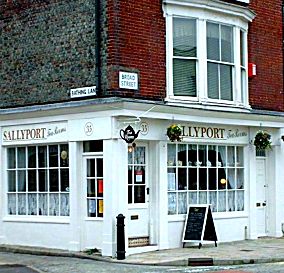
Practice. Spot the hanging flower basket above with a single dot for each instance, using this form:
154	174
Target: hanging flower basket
262	140
174	132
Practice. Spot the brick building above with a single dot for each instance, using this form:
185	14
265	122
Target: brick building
89	85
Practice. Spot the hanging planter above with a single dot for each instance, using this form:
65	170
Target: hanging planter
262	140
174	133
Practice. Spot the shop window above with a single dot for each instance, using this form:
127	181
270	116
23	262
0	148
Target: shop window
95	186
136	175
38	180
205	174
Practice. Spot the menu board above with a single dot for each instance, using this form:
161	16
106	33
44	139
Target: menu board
199	225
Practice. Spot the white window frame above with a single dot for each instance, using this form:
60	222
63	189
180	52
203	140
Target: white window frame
219	13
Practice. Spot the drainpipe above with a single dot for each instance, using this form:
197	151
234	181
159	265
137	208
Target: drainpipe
98	45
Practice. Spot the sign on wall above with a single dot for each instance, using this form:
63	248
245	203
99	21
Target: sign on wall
128	80
32	133
83	92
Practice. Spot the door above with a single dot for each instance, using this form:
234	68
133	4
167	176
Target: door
138	196
261	194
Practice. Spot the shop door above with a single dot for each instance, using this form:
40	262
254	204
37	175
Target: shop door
261	201
138	196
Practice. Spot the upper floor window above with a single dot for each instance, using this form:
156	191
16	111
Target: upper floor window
207	54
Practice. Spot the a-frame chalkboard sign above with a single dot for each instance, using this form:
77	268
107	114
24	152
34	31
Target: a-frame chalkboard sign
199	225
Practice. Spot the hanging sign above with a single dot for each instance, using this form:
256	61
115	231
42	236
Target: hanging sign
129	135
199	225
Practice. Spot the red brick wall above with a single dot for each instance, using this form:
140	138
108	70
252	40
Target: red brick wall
136	33
265	50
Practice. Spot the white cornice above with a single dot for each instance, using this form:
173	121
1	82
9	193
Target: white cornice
215	6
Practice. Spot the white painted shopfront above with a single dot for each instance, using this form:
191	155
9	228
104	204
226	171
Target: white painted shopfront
67	174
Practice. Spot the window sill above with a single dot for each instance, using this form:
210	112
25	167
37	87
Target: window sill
38	219
216	216
93	219
208	105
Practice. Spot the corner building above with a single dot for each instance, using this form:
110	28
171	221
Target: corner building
77	74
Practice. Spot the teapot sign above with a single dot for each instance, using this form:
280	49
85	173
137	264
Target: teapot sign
129	135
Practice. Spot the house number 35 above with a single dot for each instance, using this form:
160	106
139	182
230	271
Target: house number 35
89	128
144	128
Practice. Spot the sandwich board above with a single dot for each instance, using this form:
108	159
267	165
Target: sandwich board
199	225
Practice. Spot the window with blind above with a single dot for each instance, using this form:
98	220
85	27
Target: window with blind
207	59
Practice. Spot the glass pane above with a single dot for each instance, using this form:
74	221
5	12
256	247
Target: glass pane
182	203
91	167
172	203
100	206
221	160
213	80
32	157
171	179
171	154
213	47
192	155
139	175
64	155
213	200
32	204
192	198
92	208
130	175
100	167
54	204
240	178
130	156
91	188
184	37
53	180
21	157
100	187
42	156
64	180
202	155
31	180
12	204
22	207
92	146
231	156
203	179
11	158
222	201
42	204
231	179
226	82
212	178
42	180
242	47
240	157
231	201
139	194
64	204
130	195
212	156
226	44
182	155
182	184
184	77
222	179
53	156
243	84
21	180
192	179
11	181
240	200
139	155
202	197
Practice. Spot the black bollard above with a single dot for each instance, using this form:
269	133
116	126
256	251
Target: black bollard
120	237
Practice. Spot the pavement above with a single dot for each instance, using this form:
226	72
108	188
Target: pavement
264	250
